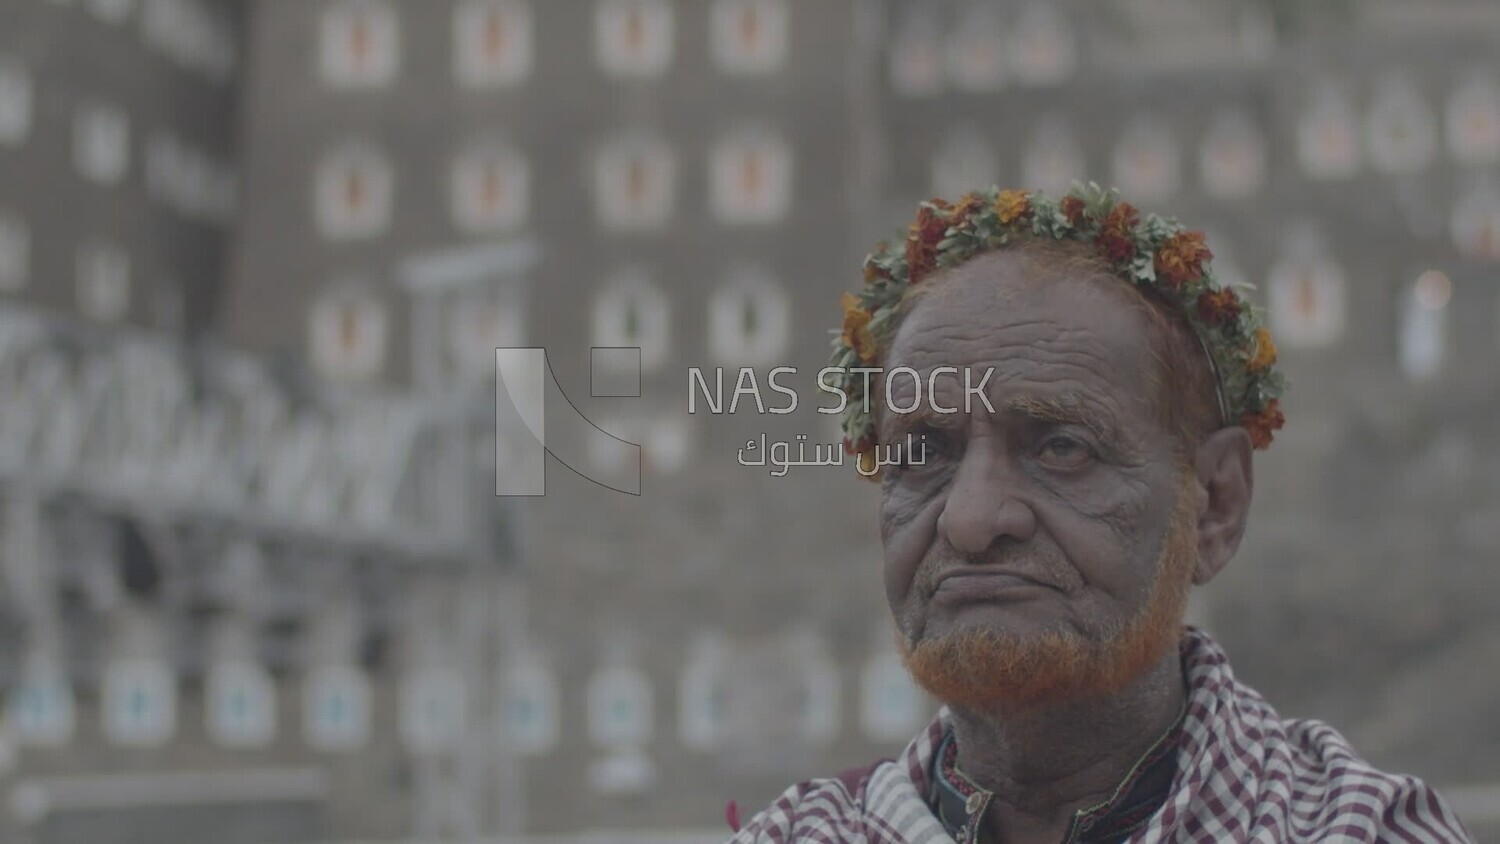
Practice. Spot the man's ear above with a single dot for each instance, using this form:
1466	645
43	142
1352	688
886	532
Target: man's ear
1226	481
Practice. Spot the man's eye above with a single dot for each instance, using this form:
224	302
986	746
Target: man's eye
1065	452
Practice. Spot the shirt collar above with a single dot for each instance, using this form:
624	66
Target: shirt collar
960	804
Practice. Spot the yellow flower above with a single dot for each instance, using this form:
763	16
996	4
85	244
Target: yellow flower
857	334
1265	351
1012	205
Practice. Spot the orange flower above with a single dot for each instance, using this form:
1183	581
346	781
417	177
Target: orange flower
967	205
1115	232
1265	351
1218	307
1072	208
1012	205
857	334
1180	259
1260	425
921	244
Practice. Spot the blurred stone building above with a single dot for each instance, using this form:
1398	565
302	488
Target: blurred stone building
323	216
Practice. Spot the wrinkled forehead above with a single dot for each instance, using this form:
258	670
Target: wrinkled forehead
1048	332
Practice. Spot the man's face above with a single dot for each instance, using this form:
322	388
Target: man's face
1052	539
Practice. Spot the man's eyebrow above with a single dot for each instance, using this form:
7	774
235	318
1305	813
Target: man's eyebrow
1067	409
893	425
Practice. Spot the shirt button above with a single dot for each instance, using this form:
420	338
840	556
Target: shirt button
974	802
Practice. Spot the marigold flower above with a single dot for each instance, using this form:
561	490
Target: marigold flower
1265	351
1180	259
857	334
1012	205
1218	307
921	244
1260	425
1116	232
960	216
1072	208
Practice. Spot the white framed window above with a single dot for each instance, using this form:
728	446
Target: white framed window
1475	225
17	94
359	44
965	161
891	707
434	709
1043	45
15	252
751	178
528	709
1306	294
750	36
40	709
749	318
1232	161
976	49
631	311
191	34
101	143
492	42
702	693
1328	137
479	322
620	708
666	445
1472	120
635	184
348	333
1054	158
241	704
1401	130
138	703
916	55
634	38
336	708
1146	162
111	11
489	187
103	280
1423	341
354	192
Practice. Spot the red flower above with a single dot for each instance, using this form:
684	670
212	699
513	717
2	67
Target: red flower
1072	208
1260	425
1218	307
921	243
732	815
1118	249
1116	231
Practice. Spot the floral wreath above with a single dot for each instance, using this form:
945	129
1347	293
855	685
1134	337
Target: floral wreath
1151	251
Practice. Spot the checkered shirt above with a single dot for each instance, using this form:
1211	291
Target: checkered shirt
1243	774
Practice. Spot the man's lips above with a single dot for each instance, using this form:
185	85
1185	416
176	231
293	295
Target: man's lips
981	582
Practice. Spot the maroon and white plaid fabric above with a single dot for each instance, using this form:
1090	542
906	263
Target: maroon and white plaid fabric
1243	774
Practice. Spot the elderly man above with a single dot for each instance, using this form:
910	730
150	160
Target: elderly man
1085	458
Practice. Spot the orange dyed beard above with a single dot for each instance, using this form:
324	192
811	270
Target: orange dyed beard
981	670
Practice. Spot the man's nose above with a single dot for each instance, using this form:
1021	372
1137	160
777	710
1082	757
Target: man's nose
987	501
